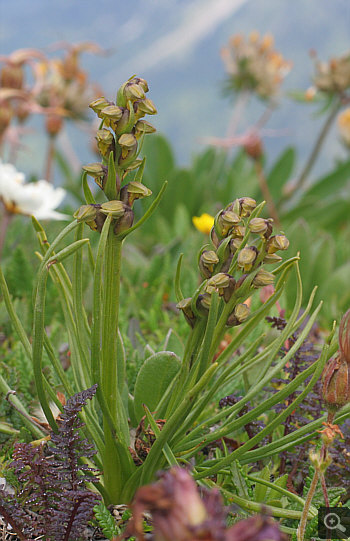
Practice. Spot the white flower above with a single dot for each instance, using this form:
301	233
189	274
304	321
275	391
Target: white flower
37	199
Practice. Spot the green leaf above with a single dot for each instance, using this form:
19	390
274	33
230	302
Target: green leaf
19	274
280	482
106	521
110	188
281	172
160	161
327	185
153	379
260	489
89	198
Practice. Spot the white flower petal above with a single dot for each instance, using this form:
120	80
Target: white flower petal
37	199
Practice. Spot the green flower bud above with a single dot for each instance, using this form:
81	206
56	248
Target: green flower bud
127	140
207	261
226	220
98	105
98	172
246	257
144	107
336	384
112	112
239	315
235	244
277	242
133	92
263	278
128	143
143	127
126	221
141	82
105	142
238	232
203	303
185	306
247	205
259	226
132	191
86	213
272	258
218	282
115	208
91	215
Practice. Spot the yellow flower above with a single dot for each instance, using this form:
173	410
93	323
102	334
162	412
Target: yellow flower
203	223
344	125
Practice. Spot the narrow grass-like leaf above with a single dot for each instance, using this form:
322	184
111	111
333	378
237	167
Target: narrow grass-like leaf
89	198
177	283
110	188
205	360
37	347
287	391
152	463
14	317
170	457
147	214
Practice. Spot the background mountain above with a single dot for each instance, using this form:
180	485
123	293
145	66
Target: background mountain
175	45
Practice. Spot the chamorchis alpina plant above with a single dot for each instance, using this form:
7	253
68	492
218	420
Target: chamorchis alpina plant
171	415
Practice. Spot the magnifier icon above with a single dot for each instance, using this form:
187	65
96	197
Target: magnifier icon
332	522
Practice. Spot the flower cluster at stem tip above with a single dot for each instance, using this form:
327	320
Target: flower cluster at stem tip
254	65
241	244
333	76
119	141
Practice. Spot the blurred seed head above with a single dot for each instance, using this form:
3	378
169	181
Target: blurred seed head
254	65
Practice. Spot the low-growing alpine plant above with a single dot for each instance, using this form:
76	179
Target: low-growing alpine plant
171	416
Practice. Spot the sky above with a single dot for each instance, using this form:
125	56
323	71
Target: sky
175	45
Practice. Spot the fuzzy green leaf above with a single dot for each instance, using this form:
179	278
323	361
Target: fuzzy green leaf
154	378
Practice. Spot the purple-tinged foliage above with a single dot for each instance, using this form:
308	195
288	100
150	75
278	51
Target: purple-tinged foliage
180	513
53	500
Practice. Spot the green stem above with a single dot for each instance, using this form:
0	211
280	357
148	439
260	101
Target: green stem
114	474
37	348
302	524
110	320
6	390
316	149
